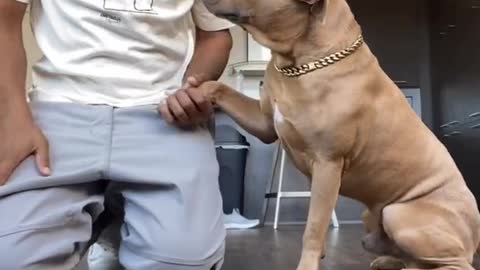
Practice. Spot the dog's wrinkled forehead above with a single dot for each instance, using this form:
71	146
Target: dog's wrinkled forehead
275	24
239	11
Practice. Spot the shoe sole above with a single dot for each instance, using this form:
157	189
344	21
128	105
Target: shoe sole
240	226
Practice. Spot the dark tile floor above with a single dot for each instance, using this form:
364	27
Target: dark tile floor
266	249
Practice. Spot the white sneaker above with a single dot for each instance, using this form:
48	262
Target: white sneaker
237	221
103	257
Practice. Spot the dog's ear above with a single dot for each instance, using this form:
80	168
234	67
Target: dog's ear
316	3
318	7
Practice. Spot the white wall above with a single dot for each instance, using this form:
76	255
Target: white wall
237	55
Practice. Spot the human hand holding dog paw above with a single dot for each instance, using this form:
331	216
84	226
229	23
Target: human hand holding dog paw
188	107
211	90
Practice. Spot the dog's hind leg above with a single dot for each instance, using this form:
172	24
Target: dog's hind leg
423	231
377	242
462	265
370	223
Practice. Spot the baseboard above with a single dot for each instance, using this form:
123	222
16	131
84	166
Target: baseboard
350	222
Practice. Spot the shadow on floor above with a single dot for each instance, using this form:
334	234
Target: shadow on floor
267	249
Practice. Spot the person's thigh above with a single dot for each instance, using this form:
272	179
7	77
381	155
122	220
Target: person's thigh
79	138
47	229
169	180
46	222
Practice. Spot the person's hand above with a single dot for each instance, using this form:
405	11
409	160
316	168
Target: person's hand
20	138
188	107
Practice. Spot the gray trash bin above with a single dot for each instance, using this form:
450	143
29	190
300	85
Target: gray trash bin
232	149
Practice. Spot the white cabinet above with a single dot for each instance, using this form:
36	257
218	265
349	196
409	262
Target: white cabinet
257	52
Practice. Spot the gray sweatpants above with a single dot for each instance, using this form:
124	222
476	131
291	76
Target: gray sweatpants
167	177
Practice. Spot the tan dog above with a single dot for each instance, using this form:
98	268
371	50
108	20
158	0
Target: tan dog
350	129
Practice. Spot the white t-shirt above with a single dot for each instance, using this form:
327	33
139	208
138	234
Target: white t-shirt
116	52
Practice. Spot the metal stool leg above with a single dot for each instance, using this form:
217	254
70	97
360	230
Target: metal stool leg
270	182
335	223
280	184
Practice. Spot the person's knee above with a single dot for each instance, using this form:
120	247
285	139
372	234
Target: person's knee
32	249
12	253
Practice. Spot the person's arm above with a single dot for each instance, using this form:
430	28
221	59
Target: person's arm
210	58
19	135
14	63
188	107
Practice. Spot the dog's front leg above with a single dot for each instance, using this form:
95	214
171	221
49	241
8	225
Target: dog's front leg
255	116
326	180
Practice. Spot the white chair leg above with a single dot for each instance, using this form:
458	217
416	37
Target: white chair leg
239	81
335	220
280	184
283	154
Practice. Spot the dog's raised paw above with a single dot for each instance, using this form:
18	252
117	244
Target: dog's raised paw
387	263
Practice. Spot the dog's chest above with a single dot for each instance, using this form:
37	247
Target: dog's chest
292	139
278	117
285	120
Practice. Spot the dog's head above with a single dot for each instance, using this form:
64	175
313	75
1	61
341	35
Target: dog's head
277	23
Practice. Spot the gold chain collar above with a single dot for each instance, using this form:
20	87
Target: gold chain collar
322	63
